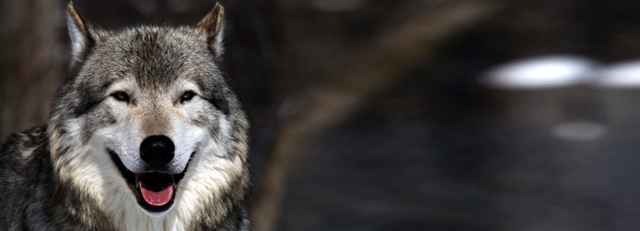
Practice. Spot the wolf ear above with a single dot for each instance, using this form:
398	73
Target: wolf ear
79	32
212	26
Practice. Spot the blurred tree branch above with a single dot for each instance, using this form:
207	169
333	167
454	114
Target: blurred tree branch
362	73
29	69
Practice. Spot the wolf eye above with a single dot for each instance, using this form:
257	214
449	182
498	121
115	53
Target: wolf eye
120	96
188	95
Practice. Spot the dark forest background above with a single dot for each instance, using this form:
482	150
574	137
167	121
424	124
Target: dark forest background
370	114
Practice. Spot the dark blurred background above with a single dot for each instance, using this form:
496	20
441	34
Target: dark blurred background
399	114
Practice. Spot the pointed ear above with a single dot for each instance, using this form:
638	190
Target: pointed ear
80	34
212	26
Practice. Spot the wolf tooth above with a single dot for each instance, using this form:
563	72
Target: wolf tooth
144	135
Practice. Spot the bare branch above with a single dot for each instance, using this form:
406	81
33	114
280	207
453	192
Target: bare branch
370	71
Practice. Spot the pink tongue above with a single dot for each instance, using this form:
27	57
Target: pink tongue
156	189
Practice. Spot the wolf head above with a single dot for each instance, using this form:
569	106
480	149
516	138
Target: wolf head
147	119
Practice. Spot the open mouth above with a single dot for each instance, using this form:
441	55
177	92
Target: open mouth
154	190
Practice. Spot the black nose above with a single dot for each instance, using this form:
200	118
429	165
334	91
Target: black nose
157	150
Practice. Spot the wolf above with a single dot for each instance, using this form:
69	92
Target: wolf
145	134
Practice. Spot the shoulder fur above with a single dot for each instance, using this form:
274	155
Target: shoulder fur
15	156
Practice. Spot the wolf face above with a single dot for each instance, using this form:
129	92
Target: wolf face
155	113
147	119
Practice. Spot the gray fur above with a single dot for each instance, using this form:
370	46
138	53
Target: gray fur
34	195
